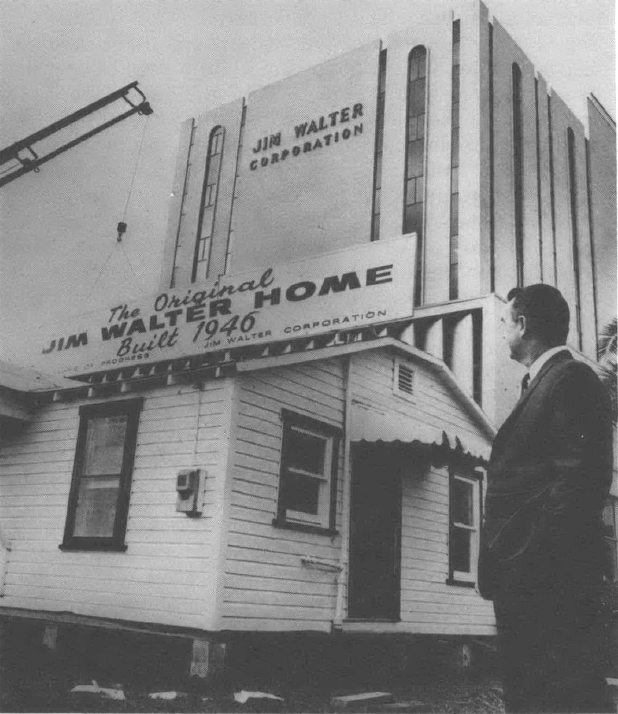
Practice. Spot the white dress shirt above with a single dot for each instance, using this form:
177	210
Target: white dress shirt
535	367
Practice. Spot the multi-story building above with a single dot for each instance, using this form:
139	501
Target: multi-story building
323	361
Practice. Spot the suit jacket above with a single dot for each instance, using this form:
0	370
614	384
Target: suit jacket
549	475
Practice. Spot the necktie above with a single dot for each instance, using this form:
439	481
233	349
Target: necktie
525	382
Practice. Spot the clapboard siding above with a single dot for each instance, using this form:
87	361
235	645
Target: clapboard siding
266	585
432	402
166	575
428	603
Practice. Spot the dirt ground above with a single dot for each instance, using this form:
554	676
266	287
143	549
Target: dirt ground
26	691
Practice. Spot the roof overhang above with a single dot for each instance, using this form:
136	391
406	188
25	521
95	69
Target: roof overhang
18	386
239	361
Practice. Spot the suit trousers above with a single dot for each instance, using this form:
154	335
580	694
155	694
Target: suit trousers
550	647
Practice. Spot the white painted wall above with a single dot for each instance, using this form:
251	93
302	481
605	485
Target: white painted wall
428	603
167	573
266	585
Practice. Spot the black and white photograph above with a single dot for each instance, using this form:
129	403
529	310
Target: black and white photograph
308	356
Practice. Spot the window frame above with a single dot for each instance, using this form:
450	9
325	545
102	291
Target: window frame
476	478
208	204
130	408
323	525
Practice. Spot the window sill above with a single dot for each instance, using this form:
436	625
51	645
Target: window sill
461	583
93	547
304	527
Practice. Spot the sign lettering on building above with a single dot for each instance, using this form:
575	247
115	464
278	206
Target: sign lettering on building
367	284
323	127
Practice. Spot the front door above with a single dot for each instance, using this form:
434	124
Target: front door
375	535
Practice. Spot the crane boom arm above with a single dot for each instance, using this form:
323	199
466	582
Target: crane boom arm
32	162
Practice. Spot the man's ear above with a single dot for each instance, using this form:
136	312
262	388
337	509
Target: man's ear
521	321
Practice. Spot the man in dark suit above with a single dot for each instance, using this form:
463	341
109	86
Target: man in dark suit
542	548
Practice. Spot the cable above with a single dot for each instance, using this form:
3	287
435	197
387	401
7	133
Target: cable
139	153
130	266
100	273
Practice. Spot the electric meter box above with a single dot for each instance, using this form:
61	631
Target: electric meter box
189	491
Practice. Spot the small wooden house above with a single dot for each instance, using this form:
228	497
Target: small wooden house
331	486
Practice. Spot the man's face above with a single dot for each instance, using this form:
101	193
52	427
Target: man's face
513	330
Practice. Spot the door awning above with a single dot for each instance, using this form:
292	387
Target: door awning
437	454
441	444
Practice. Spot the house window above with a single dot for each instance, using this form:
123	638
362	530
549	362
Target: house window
610	518
99	495
464	532
307	487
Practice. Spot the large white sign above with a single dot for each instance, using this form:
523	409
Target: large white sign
370	283
306	165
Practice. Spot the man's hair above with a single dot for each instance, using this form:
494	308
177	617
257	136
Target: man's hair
546	312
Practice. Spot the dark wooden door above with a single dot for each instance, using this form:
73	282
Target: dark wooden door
375	535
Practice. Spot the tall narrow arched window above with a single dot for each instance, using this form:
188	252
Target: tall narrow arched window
518	172
377	164
575	231
454	213
414	190
208	205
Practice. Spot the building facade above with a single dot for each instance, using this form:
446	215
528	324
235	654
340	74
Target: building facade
290	436
445	130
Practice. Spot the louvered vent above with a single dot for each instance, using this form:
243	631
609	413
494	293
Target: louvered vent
405	378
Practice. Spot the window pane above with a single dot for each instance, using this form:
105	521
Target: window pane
413	70
420	121
379	171
455	86
455	214
376	202
414	219
375	227
455	115
422	66
417	98
410	192
96	507
213	168
415	158
216	143
412	130
105	445
456	47
455	147
306	452
460	550
454	251
455	180
419	189
302	493
463	506
204	244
